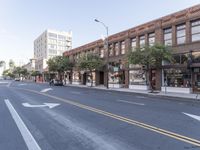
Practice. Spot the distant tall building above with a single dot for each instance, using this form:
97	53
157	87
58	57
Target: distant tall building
49	44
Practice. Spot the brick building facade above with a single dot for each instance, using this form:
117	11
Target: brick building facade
180	30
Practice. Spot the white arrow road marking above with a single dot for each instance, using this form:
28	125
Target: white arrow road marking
50	105
131	102
26	134
46	90
193	116
22	84
3	82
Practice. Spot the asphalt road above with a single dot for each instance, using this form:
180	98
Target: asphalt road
37	116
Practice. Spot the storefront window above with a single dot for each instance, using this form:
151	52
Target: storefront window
181	58
116	75
76	77
196	57
137	77
89	79
177	77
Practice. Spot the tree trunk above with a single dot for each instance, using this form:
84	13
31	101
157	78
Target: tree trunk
91	78
150	80
71	76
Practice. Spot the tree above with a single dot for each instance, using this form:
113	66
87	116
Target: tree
150	57
11	64
35	73
8	73
59	64
1	63
90	62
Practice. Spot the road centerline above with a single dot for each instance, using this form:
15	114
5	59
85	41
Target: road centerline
134	103
26	134
161	131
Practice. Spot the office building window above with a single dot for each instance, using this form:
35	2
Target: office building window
142	41
51	51
52	46
151	39
52	35
116	49
180	34
195	30
101	52
168	36
133	44
123	47
61	37
110	50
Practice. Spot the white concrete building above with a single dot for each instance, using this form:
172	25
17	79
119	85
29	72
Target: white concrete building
30	66
49	44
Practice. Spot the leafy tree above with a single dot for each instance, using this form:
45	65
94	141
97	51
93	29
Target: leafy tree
24	72
11	64
150	57
59	64
8	73
2	63
35	73
90	62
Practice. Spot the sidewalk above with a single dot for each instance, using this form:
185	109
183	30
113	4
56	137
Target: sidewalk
147	92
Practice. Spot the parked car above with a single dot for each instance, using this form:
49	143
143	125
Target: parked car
58	82
17	79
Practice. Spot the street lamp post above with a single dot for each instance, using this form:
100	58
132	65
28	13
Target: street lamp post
107	48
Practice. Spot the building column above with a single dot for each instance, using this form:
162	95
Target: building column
127	45
188	32
174	35
159	36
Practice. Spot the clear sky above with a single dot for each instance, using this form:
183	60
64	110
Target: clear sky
21	21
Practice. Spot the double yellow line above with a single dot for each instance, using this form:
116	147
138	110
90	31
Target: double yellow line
124	119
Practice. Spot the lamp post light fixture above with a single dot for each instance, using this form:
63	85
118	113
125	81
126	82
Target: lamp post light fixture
107	48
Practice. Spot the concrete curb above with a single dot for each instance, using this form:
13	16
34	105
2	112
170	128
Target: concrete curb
135	92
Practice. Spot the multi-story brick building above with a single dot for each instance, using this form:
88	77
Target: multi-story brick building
180	30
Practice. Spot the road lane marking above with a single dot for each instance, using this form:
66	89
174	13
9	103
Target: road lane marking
124	119
26	134
141	104
8	85
46	90
50	105
193	116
